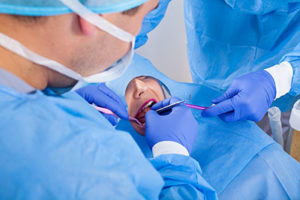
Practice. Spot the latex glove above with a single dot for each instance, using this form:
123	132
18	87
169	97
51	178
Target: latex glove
178	125
101	95
248	98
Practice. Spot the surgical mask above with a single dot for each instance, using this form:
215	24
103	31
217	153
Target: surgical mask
111	73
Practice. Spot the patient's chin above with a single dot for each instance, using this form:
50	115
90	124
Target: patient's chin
138	129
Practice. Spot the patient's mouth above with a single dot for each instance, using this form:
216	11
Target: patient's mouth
144	109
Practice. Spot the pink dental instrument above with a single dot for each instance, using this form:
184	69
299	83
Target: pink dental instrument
196	107
109	112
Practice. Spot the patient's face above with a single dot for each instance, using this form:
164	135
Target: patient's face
141	94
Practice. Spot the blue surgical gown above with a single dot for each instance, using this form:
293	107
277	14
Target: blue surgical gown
237	159
59	147
228	38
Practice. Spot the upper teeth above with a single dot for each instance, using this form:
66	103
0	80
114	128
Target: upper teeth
150	103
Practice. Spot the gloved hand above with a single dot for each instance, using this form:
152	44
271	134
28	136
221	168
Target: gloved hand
177	125
248	98
101	95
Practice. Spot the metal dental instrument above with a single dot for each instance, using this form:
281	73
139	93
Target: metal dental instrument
168	107
109	112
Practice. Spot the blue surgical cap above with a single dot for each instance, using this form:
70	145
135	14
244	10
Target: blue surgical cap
55	7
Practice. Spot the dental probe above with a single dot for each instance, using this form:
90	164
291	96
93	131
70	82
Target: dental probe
109	112
168	107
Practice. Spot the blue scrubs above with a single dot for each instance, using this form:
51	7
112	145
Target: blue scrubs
60	147
237	159
228	38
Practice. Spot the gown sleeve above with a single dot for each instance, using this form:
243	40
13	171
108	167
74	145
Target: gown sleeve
183	178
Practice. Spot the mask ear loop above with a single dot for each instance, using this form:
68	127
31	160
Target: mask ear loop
98	21
19	49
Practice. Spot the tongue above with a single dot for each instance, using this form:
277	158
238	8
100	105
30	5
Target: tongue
142	120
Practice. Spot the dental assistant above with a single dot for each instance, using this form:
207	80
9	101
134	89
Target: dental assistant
53	143
248	50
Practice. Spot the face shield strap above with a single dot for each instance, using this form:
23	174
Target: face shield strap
98	21
24	52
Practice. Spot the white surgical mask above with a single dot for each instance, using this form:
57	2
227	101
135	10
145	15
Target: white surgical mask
111	73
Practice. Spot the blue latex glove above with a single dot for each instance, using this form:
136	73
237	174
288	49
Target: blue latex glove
248	98
101	95
177	125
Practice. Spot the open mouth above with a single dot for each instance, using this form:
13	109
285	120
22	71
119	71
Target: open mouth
140	115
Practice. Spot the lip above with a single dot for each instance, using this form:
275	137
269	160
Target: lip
140	109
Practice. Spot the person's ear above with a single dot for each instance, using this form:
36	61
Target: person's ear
86	27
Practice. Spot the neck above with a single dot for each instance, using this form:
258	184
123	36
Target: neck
33	74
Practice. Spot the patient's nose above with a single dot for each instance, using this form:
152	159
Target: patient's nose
140	88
